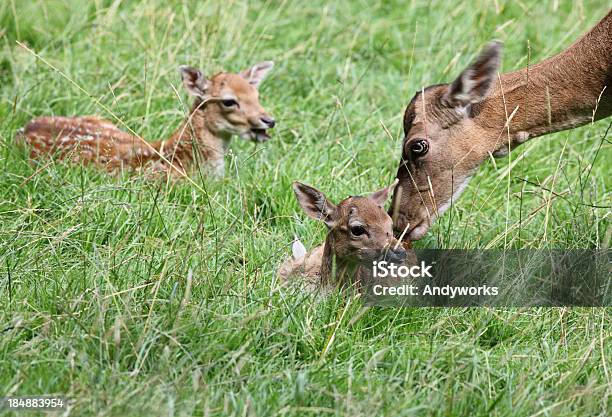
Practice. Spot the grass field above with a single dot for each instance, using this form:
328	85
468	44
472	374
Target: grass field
158	299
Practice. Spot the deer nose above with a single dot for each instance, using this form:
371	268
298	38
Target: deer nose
395	255
268	121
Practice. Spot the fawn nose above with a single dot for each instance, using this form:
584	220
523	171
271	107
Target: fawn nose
268	121
396	256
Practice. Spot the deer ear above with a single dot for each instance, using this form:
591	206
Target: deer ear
315	204
257	72
193	80
475	82
381	196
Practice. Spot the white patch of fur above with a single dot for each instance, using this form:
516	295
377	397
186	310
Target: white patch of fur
298	250
462	111
217	167
522	136
457	192
225	127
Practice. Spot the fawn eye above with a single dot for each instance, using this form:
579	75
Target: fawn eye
229	103
419	147
358	230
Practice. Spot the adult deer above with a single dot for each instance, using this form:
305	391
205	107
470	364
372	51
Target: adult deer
225	105
360	231
450	129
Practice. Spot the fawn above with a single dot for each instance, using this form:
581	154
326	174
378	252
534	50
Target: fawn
227	104
451	129
359	232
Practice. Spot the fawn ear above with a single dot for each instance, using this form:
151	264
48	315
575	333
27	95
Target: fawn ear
194	81
257	72
315	204
475	82
381	196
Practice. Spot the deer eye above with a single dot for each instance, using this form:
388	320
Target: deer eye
357	230
229	102
419	147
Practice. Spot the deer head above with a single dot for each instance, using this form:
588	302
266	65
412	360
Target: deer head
360	230
443	145
230	102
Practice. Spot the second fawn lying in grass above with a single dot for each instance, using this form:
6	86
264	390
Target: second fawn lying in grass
225	105
359	232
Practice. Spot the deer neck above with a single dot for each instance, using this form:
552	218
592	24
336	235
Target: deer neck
196	135
568	90
335	270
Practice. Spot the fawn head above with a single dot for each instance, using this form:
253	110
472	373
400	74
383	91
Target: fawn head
360	230
231	101
442	145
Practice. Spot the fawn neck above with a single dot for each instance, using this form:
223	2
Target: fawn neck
196	136
337	270
565	91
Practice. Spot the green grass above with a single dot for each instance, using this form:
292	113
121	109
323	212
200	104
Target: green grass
140	298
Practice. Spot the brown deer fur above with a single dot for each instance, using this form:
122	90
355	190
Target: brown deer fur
225	105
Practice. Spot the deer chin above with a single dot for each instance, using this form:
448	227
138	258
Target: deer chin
411	229
418	231
259	135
